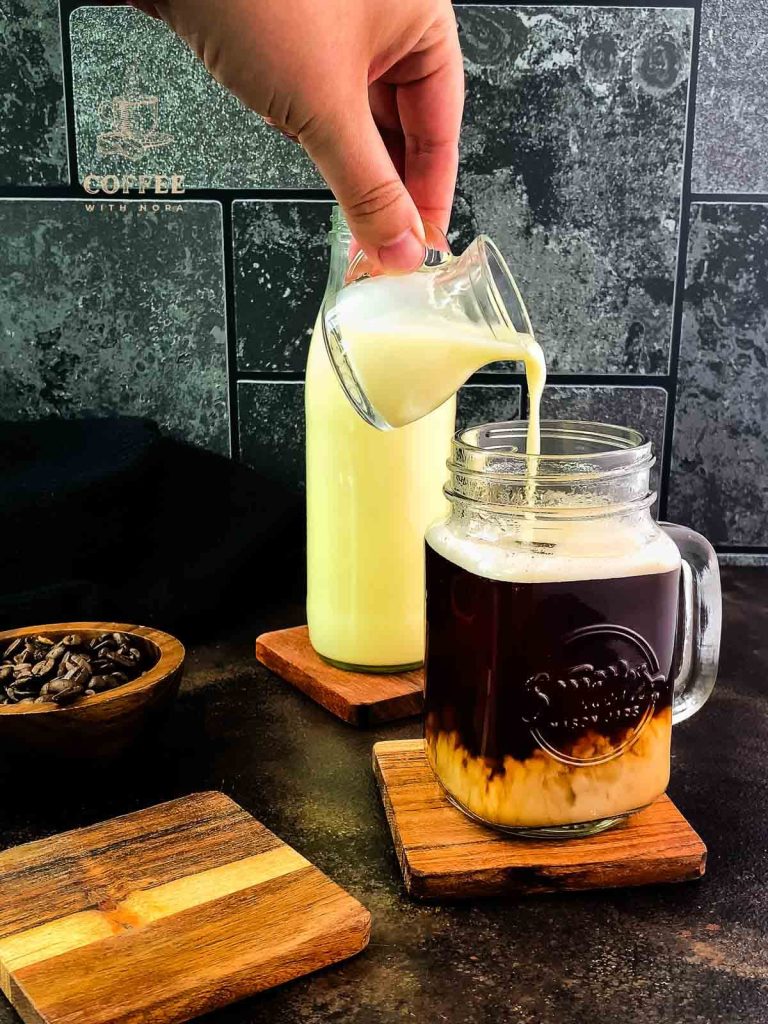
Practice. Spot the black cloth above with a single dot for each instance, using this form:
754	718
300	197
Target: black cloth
106	519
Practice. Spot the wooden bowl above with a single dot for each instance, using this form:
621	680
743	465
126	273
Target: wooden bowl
105	723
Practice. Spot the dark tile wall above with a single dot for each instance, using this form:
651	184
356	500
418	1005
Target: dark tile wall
606	165
114	310
720	451
281	265
572	161
643	408
731	150
33	134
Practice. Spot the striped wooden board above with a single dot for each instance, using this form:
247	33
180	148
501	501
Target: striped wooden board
445	855
360	698
164	914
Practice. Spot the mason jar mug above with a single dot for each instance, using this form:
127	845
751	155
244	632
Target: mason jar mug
567	630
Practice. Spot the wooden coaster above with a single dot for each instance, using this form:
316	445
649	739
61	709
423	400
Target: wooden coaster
164	914
360	698
444	854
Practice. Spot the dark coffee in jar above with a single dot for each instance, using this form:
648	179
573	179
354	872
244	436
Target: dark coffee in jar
548	700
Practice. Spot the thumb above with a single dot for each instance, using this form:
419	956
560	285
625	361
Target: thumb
352	157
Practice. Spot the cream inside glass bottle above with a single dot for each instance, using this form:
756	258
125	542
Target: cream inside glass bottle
371	495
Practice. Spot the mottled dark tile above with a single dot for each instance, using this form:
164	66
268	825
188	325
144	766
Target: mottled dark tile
719	483
642	408
114	311
33	134
487	403
281	266
572	161
741	559
202	131
730	152
271	418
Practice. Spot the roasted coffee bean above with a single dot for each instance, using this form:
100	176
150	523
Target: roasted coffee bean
69	695
17	693
79	676
54	686
57	651
100	641
99	683
44	668
6	673
119	659
43	641
13	647
72	640
24	686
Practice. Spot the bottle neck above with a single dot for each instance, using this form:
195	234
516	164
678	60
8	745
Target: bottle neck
339	239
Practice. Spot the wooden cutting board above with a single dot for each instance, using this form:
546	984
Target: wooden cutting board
443	854
360	698
164	914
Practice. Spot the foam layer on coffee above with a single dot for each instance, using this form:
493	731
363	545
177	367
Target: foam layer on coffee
597	549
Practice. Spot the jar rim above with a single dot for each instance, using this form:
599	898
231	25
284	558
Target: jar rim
608	439
582	465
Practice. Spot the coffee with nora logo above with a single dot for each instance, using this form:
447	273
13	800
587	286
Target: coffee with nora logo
156	184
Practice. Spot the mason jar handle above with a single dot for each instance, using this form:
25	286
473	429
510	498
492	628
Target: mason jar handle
699	621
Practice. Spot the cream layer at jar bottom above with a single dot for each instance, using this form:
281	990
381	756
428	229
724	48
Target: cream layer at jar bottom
542	790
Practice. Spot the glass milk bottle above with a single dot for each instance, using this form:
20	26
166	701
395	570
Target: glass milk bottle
370	497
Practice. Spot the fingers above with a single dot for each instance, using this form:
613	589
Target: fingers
430	110
383	101
147	6
353	158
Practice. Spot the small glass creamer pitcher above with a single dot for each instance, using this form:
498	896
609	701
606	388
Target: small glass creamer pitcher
402	344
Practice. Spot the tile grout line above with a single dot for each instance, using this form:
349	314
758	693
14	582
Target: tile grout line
680	269
68	88
606	4
75	190
503	380
730	198
231	329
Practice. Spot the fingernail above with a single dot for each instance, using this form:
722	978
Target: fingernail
406	252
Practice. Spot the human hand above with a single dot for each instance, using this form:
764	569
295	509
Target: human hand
372	89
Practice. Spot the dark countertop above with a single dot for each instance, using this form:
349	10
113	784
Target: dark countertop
685	954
